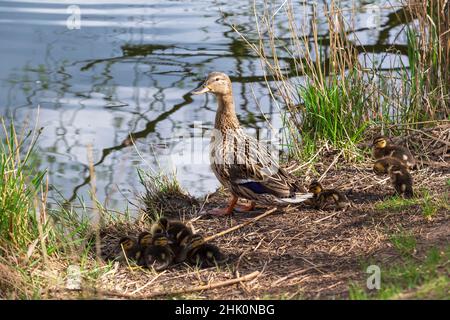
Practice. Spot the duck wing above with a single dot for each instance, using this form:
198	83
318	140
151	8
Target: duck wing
249	163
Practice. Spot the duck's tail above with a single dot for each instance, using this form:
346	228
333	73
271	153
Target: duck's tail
297	198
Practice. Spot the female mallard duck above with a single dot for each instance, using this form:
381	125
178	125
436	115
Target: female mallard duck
383	148
400	177
240	162
322	197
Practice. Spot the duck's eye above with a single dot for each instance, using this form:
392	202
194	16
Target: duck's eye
217	79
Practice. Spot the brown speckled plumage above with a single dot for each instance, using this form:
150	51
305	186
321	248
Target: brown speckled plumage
383	148
244	165
399	175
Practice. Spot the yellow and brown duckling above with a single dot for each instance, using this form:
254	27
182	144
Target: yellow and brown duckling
177	232
203	254
383	148
145	240
159	226
129	250
399	175
323	197
159	254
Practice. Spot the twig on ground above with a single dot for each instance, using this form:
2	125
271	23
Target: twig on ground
246	223
327	217
313	265
148	283
331	165
209	286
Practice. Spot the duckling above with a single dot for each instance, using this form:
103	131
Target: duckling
145	239
203	254
159	255
160	226
400	177
129	249
323	196
382	148
385	164
177	232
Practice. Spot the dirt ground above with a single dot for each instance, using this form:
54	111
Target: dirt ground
300	252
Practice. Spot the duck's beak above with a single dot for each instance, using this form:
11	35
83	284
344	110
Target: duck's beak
200	90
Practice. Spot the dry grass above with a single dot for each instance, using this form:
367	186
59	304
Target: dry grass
334	88
298	252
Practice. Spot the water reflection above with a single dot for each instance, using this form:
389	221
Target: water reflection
125	77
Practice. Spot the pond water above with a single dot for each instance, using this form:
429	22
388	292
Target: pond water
127	71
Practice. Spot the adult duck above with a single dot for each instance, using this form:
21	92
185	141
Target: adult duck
248	168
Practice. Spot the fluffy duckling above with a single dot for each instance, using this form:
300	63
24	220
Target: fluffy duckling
145	239
159	255
203	254
160	226
382	148
129	249
322	196
400	177
177	232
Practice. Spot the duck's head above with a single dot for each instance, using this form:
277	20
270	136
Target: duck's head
161	226
126	243
196	241
145	239
160	240
216	82
380	142
315	187
381	167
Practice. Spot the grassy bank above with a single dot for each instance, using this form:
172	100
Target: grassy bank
53	253
337	90
336	101
39	245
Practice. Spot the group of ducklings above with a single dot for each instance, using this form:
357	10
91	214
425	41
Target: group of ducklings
396	161
169	242
391	159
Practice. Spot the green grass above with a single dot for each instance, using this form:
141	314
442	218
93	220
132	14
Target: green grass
35	239
404	242
396	204
411	279
163	194
339	96
158	187
18	222
332	113
428	203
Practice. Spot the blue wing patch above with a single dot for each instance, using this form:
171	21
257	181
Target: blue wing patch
256	187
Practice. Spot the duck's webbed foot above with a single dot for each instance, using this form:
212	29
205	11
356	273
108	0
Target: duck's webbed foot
225	211
246	208
221	212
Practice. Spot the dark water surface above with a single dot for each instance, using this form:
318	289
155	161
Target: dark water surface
129	70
